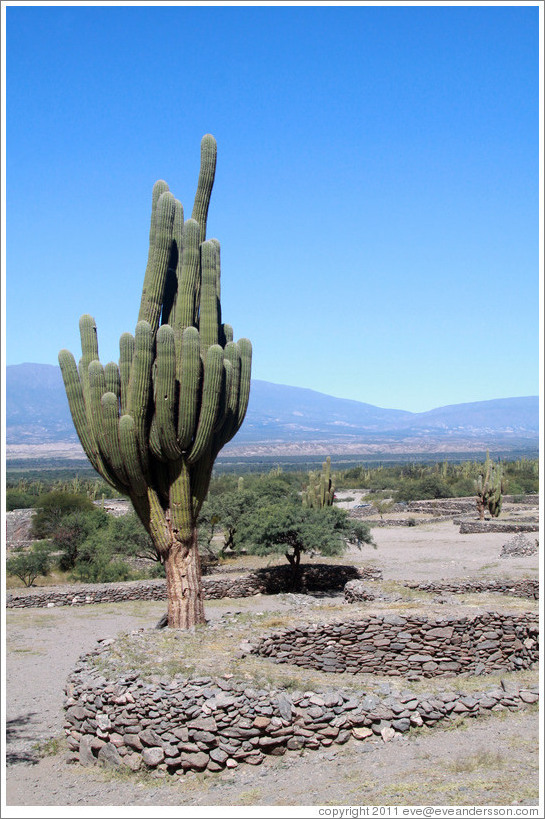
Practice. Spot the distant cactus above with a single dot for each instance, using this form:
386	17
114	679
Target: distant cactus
489	488
153	424
320	491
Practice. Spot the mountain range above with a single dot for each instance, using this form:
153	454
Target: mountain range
292	419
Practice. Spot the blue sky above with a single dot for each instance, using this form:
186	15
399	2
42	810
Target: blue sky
376	195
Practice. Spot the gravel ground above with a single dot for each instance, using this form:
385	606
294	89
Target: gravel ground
491	761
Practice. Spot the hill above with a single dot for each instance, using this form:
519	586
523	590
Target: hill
293	419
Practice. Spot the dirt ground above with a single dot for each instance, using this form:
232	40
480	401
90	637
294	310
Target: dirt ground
492	761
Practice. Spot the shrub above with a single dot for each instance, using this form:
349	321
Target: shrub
28	565
52	507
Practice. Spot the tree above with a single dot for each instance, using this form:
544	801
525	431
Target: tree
153	424
28	565
52	507
73	530
291	529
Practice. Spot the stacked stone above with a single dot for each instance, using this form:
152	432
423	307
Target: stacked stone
475	527
519	588
519	546
271	580
204	723
357	591
411	646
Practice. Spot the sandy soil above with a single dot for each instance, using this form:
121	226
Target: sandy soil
491	761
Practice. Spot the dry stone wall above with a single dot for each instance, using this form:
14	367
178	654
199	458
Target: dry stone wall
411	646
516	588
478	527
175	725
271	580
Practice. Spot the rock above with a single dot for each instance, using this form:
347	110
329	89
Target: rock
150	738
153	756
387	734
85	755
261	722
218	756
133	761
109	756
528	697
284	706
196	762
203	724
361	732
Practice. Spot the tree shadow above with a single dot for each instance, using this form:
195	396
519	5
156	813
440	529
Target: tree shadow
21	740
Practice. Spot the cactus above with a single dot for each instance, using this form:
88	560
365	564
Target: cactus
489	488
320	491
153	424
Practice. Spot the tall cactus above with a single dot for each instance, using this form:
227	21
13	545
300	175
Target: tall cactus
153	424
320	491
489	488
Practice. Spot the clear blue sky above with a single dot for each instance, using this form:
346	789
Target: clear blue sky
376	195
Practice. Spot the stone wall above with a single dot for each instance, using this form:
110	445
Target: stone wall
272	580
205	723
413	645
517	588
18	523
472	527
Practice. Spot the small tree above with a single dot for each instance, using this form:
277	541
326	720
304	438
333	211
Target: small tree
73	530
28	565
289	529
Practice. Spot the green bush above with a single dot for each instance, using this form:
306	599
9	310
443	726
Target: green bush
52	507
72	531
18	499
29	564
96	562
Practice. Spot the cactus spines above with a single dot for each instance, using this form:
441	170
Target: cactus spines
153	424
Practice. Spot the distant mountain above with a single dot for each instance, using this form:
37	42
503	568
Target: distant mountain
281	416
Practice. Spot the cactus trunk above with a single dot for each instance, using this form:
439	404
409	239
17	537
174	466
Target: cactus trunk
153	424
184	587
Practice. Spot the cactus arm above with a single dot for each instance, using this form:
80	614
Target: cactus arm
188	278
131	460
110	417
245	350
126	352
209	318
210	402
154	283
171	282
207	172
140	386
76	402
159	188
113	380
190	383
165	394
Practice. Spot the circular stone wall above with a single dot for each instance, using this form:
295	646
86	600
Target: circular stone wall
411	646
180	724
